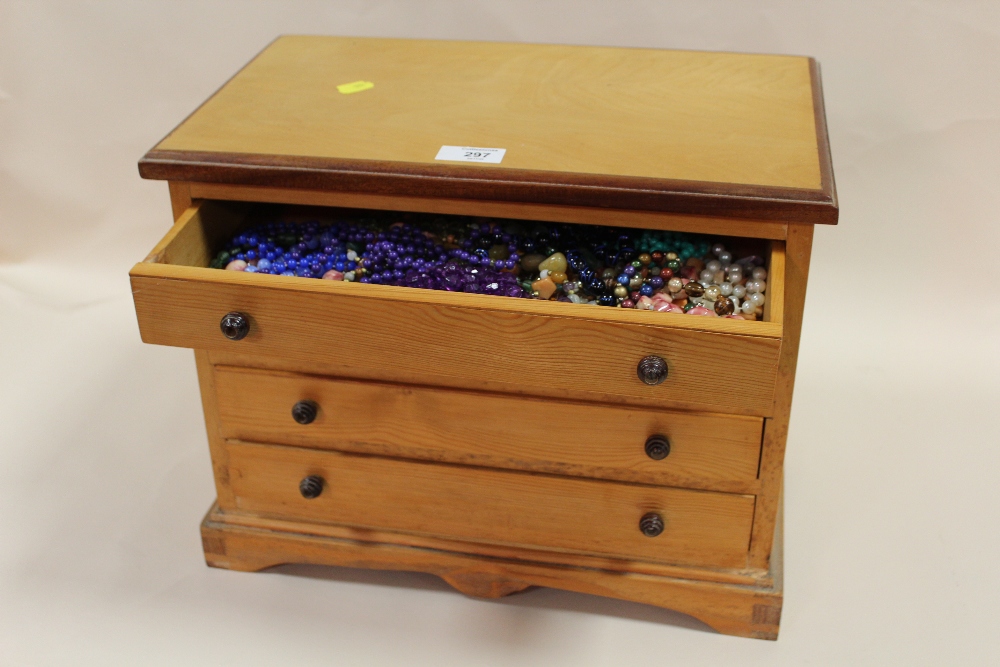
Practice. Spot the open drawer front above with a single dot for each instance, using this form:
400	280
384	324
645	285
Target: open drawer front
473	341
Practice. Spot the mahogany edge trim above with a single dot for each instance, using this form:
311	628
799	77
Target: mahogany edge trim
496	184
827	183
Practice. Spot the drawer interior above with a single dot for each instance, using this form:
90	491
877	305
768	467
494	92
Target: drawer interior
210	226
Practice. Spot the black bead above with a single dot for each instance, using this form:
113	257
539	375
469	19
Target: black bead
651	524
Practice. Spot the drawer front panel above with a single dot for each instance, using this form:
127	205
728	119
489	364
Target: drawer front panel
583	516
705	451
341	332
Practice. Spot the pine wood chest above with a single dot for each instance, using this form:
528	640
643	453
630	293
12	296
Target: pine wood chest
498	442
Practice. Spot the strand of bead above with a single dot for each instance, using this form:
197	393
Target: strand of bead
721	286
646	270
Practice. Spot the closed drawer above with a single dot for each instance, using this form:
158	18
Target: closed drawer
451	339
692	450
474	504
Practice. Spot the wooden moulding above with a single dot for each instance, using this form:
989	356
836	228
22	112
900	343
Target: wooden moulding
740	576
247	543
827	183
500	185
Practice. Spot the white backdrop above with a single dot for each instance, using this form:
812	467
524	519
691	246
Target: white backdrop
893	466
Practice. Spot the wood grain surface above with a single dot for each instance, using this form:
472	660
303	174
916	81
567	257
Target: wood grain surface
256	544
707	451
741	576
548	512
196	232
774	307
661	114
210	409
682	131
337	329
772	461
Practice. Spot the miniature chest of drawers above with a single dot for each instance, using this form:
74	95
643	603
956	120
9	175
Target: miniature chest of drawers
497	442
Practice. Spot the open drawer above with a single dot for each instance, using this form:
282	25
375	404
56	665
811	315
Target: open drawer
426	337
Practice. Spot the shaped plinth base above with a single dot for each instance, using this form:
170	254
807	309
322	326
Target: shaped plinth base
732	609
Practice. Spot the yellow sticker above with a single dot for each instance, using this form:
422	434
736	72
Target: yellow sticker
355	87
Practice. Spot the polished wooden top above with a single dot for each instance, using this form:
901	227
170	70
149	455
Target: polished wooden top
683	131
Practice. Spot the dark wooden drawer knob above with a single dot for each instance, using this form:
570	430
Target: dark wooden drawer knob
311	487
651	524
235	326
304	412
652	370
657	447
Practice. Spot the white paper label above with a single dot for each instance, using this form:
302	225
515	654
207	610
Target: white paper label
471	154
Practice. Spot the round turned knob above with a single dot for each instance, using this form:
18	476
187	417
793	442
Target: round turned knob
652	370
312	486
657	447
304	412
651	524
235	326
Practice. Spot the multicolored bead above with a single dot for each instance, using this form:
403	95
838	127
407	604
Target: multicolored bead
609	266
724	306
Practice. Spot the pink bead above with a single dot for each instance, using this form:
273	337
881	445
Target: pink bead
698	310
666	307
645	303
333	274
236	265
